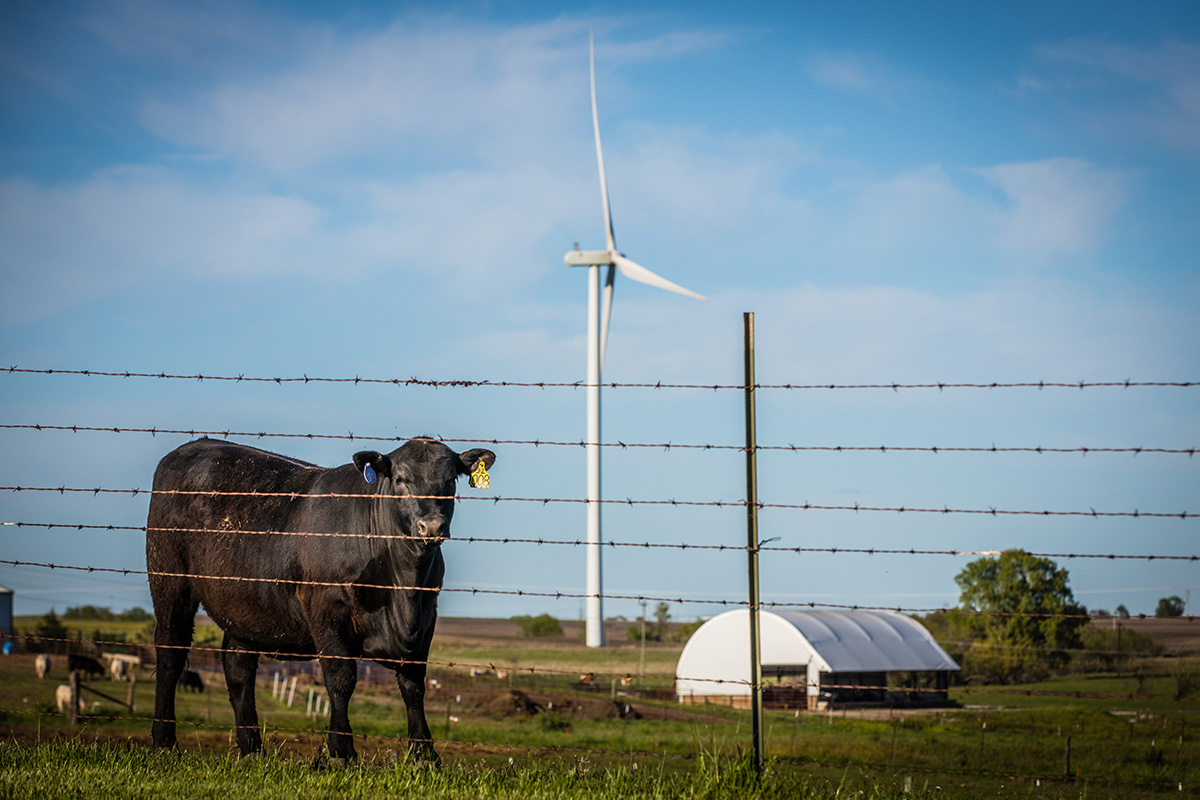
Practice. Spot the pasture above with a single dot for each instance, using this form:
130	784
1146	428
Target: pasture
541	734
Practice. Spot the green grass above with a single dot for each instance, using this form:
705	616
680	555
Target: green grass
1151	694
78	768
1120	747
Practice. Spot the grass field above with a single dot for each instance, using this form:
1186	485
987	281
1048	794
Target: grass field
575	741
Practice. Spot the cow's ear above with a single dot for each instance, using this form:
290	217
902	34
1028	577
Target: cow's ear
372	465
468	461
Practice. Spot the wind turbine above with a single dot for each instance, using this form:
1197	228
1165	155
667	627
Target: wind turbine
599	315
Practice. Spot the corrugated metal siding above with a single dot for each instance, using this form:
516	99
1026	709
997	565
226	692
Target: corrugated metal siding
869	641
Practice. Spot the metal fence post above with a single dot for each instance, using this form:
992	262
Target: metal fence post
756	705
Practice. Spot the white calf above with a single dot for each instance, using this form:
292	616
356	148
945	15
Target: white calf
62	696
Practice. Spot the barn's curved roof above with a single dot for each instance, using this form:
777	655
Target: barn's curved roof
836	641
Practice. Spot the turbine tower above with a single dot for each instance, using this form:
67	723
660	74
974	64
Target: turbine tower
599	315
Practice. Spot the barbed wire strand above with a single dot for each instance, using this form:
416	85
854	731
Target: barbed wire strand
559	595
226	433
390	662
414	381
994	512
593	675
506	540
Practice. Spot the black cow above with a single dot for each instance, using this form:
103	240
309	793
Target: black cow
85	664
302	596
191	681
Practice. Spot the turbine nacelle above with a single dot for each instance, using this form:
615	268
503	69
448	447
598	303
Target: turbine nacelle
589	258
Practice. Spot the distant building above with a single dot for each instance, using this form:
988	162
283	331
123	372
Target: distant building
6	611
815	659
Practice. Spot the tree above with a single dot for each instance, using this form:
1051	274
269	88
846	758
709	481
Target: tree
1122	611
662	613
1169	607
135	614
49	633
541	625
684	632
1024	614
88	612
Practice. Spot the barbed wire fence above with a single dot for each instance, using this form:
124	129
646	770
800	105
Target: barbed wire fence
570	678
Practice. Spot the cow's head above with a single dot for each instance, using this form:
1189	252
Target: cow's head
423	475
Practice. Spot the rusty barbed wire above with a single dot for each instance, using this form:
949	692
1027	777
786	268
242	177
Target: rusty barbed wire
394	662
414	381
226	433
356	585
995	512
593	675
558	595
583	543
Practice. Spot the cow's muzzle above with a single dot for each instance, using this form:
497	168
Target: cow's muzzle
433	528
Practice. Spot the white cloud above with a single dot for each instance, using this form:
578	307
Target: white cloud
1060	207
63	244
913	208
418	92
860	73
711	186
1027	330
1145	93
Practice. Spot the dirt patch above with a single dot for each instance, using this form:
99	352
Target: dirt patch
511	703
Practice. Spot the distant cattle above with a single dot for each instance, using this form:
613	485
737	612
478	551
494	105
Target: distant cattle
191	681
627	680
118	670
369	593
85	664
41	665
587	679
476	672
62	698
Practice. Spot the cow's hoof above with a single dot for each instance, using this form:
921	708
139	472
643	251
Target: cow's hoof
424	755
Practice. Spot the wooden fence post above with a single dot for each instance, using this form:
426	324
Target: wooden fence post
74	684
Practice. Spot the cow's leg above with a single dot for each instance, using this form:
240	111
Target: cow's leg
411	678
331	623
240	668
174	619
341	676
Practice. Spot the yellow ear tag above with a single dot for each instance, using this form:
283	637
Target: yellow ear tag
479	476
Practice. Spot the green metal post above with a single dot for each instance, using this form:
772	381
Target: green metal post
756	706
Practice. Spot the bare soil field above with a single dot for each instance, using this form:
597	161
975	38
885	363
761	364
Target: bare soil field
1179	635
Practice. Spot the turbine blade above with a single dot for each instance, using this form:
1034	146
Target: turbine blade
606	300
636	272
608	226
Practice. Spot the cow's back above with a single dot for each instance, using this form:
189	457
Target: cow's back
205	522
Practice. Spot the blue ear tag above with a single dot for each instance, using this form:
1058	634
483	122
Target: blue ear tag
368	473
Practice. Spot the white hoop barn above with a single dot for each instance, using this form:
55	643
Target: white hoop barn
815	659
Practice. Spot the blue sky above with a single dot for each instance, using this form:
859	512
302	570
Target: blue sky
920	193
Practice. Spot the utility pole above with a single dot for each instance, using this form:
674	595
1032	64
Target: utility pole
643	602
